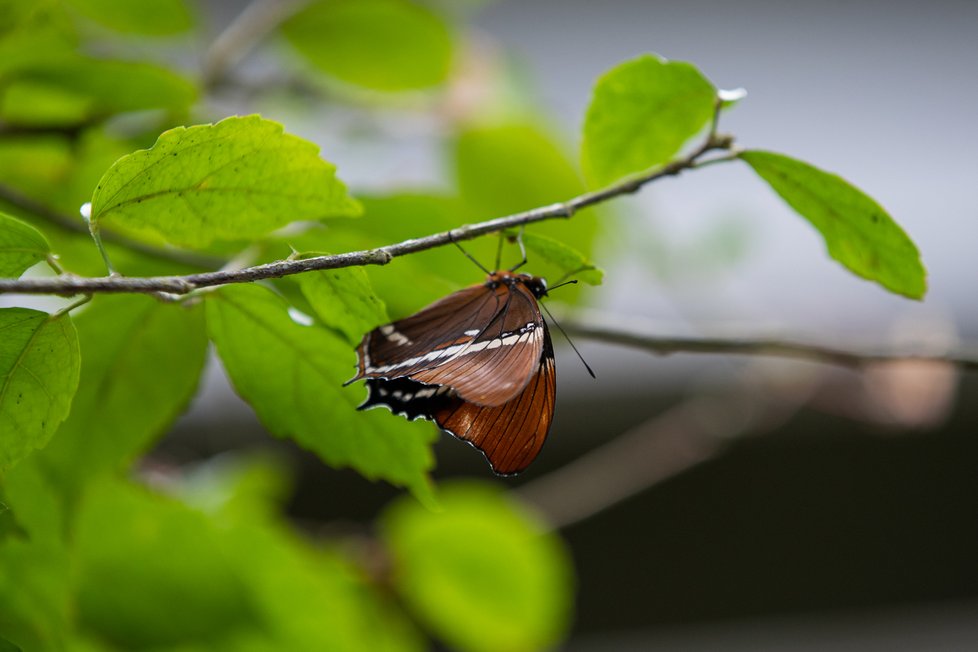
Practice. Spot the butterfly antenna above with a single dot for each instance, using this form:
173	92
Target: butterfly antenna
573	281
451	238
566	336
519	241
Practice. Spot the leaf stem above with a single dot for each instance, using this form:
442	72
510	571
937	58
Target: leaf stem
97	237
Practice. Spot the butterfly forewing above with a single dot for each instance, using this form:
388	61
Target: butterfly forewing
484	342
478	362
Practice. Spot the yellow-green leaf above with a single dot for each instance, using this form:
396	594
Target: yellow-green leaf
640	115
480	572
237	179
857	231
150	17
386	45
21	246
293	375
39	363
344	300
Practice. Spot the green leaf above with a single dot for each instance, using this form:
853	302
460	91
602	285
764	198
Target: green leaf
237	179
641	113
149	17
150	572
292	375
38	376
858	232
7	646
35	165
33	503
21	246
35	604
142	361
307	597
385	45
407	282
480	573
344	300
571	263
73	89
512	167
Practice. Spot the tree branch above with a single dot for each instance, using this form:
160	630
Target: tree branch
68	285
845	357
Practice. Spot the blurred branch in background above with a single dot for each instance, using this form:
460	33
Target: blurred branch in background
896	389
248	29
610	331
700	428
693	432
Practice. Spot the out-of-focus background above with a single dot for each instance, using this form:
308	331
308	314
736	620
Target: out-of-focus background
822	509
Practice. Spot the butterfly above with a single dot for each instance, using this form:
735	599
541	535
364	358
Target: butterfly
479	363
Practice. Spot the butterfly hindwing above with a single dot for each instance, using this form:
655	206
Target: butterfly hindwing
509	435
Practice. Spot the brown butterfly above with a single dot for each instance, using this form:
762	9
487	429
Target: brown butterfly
478	362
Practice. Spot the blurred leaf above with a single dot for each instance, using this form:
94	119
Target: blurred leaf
33	32
239	178
641	113
312	599
292	376
385	45
21	246
34	607
151	572
38	376
7	646
344	300
33	562
34	165
33	503
513	167
149	17
73	89
306	598
480	573
239	487
858	232
571	263
92	153
141	363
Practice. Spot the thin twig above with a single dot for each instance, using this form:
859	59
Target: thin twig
845	357
66	285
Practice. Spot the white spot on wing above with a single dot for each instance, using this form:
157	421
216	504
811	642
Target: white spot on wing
394	335
457	350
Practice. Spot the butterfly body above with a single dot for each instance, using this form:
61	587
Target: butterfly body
478	362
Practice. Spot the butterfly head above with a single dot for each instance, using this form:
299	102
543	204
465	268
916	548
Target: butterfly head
535	284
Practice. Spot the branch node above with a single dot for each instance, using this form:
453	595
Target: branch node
722	141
